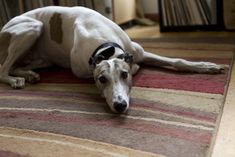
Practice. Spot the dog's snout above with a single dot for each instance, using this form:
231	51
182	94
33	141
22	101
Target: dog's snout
120	106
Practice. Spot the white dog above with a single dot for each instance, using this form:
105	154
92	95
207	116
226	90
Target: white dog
83	40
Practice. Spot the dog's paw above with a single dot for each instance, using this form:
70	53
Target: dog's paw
211	68
32	77
17	82
217	69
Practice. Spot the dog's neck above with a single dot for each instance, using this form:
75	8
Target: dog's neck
106	51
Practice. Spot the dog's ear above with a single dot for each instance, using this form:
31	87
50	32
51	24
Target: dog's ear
92	63
96	60
107	53
127	57
104	55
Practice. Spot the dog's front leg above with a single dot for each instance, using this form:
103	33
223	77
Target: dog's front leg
28	75
182	64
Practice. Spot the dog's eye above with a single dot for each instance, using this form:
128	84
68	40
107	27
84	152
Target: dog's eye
103	79
124	75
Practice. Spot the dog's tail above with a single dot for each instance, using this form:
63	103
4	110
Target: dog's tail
5	39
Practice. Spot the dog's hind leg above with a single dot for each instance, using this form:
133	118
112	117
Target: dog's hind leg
24	31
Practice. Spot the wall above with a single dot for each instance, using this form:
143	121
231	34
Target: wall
124	10
150	6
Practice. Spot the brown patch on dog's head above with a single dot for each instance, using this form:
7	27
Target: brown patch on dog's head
56	31
5	39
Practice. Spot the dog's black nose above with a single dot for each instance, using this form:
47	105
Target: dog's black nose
120	106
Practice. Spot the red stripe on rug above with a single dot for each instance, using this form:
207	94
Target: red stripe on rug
60	75
181	81
154	106
159	129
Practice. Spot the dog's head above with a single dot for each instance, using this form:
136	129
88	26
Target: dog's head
114	79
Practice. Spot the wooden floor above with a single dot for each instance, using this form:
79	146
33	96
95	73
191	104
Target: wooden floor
224	145
140	32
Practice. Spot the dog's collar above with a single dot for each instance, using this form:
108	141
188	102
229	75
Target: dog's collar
104	45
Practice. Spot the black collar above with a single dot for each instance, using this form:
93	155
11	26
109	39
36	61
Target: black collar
108	44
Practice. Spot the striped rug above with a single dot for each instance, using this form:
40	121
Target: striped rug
172	113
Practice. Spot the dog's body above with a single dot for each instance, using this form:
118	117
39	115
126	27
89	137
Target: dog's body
83	40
